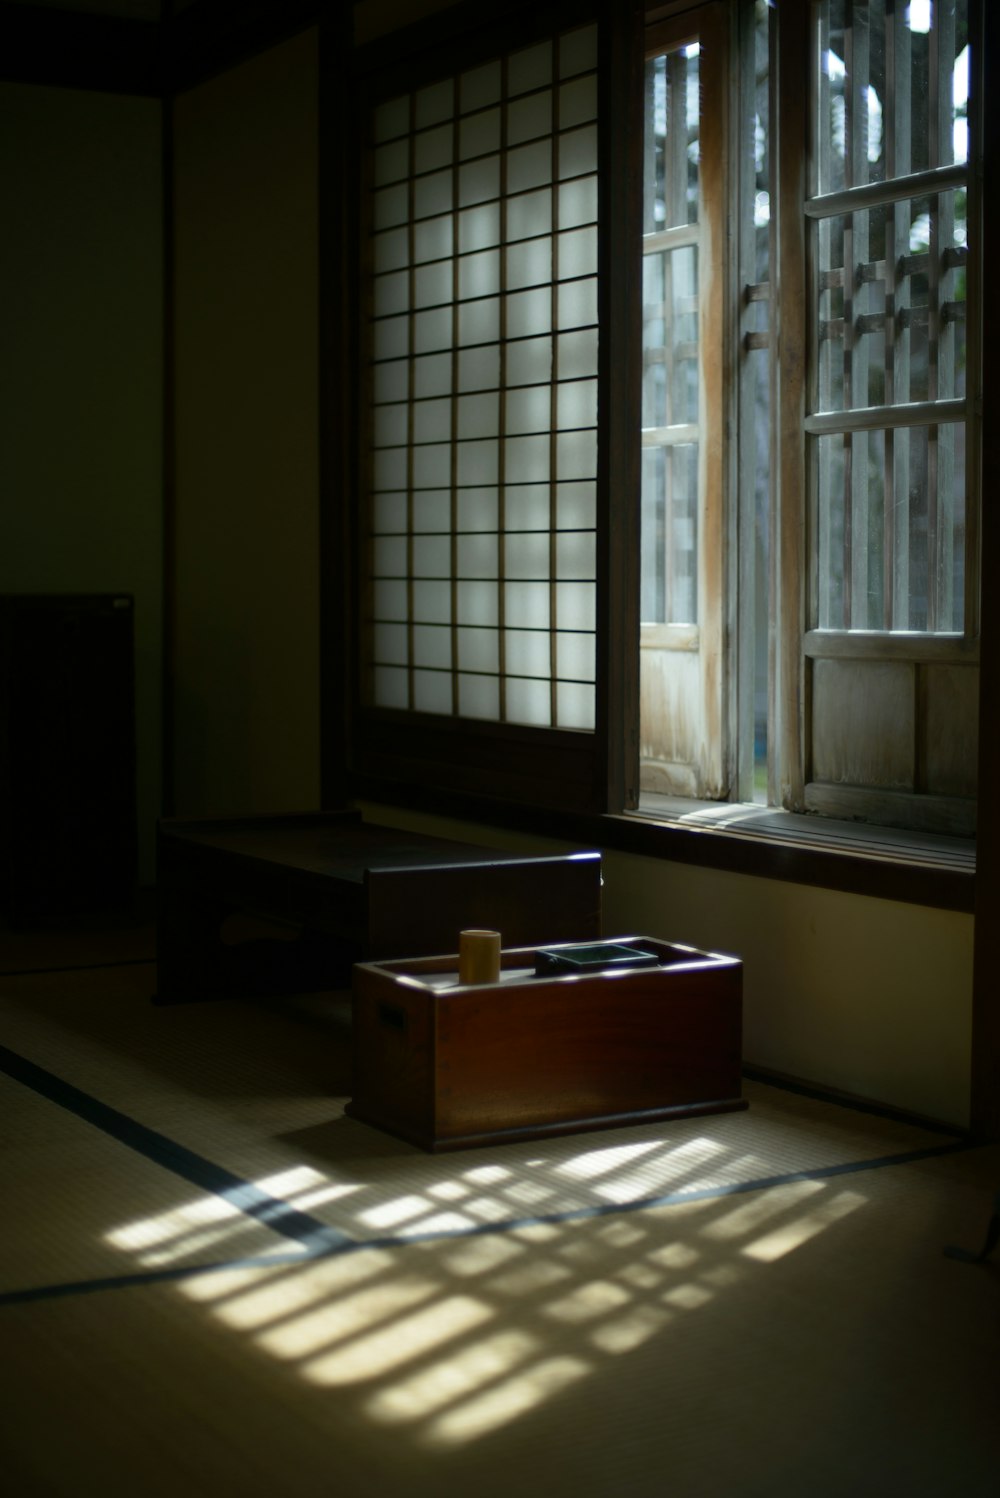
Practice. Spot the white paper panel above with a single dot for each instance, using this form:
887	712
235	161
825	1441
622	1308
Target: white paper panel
478	649
528	702
432	510
479	368
578	151
577	303
476	510
478	415
389	598
530	117
392	118
527	459
431	556
389	556
529	409
576	403
528	264
432	465
479	322
392	338
432	194
575	606
388	513
391	163
479	274
527	604
477	462
479	228
433	149
390	382
431	602
577	202
477	556
391	424
390	207
577	50
529	312
391	250
578	252
432	645
578	101
390	468
479	697
432	330
528	652
432	375
432	421
433	284
530	214
480	86
529	166
479	134
576	506
477	603
432	691
530	68
432	239
478	181
391	644
575	656
391	687
527	554
574	705
530	362
435	103
527	507
577	354
576	455
576	555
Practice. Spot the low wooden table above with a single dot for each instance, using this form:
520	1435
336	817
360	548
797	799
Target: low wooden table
340	890
448	1067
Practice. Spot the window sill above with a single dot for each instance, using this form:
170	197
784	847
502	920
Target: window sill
916	868
921	868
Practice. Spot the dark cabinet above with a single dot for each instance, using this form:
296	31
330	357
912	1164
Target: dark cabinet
67	755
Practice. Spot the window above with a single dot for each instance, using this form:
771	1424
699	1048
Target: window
668	455
870	665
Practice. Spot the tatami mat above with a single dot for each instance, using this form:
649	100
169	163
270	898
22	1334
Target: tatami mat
211	1281
260	1091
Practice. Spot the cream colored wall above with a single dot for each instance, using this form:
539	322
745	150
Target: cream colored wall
81	291
866	996
246	589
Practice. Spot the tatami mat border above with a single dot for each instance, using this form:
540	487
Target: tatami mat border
317	1240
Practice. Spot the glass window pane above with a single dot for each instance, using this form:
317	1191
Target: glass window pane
479	368
479	275
527	554
392	118
477	557
478	650
575	656
578	202
476	462
529	263
526	507
576	556
478	415
432	645
530	68
577	403
477	603
391	644
432	240
478	181
528	652
476	509
432	374
432	194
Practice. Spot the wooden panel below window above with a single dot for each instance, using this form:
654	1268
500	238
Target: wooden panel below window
863	723
949	718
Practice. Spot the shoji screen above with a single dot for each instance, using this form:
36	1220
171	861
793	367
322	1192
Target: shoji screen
481	362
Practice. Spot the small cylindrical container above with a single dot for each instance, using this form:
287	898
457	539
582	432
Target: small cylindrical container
479	957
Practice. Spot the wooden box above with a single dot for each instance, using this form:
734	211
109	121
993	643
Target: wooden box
448	1067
